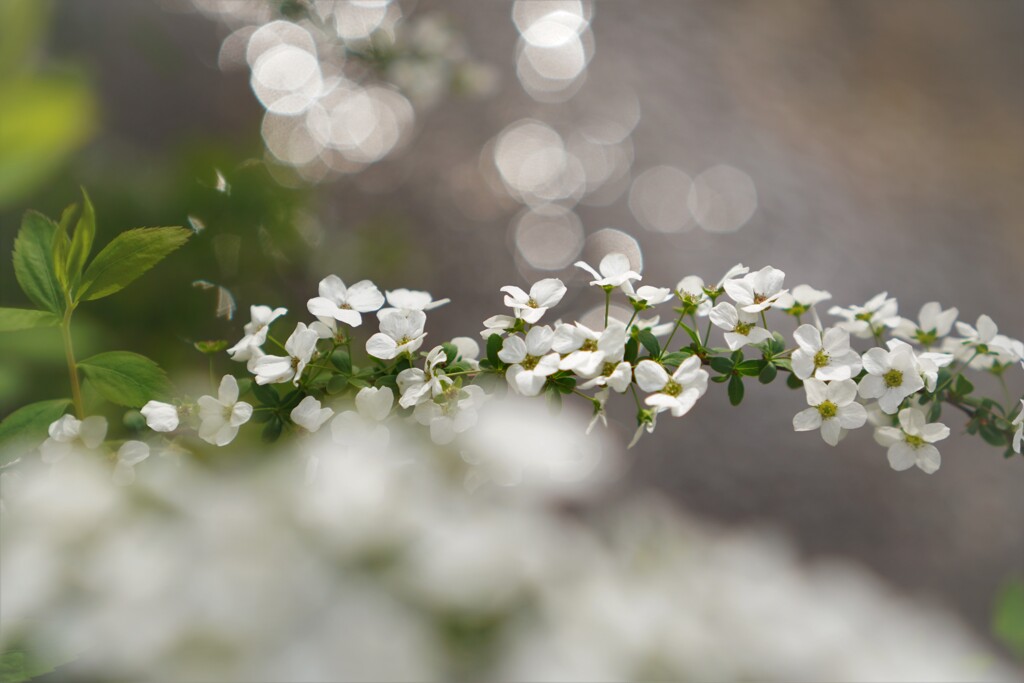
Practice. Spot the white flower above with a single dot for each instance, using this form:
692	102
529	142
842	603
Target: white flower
413	300
309	415
220	418
892	376
614	268
911	443
927	363
801	299
652	324
1018	422
833	409
160	417
130	454
984	344
469	351
933	324
345	304
418	385
600	412
645	425
740	327
497	324
691	290
375	403
617	376
868	320
362	428
255	332
456	413
532	360
400	332
756	292
646	296
739	270
677	392
543	295
300	347
827	355
70	435
586	351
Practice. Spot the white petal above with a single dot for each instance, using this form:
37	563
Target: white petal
375	403
650	376
381	346
807	420
364	297
160	417
934	431
548	292
928	458
808	338
831	431
132	452
93	431
227	393
852	416
817	391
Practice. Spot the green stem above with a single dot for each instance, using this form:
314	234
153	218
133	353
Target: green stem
707	333
952	378
607	305
69	354
668	341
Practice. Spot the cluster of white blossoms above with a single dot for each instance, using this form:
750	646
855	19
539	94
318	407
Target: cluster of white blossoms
898	384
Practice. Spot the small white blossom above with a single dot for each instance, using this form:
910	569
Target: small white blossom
691	290
892	376
740	327
826	356
469	351
911	443
345	304
932	324
927	363
600	410
275	369
833	409
614	268
400	332
677	392
984	345
544	294
362	428
801	299
1018	422
417	385
756	292
737	271
309	415
586	351
130	454
160	417
497	324
220	418
644	426
616	376
532	360
646	296
255	332
413	300
70	435
452	415
866	321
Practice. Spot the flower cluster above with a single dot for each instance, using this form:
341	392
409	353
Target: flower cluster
315	378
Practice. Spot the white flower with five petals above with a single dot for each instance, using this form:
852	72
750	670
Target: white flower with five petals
892	376
833	409
756	292
826	356
255	332
70	435
275	369
932	324
614	268
220	418
740	327
801	299
912	442
338	303
416	385
531	360
870	319
400	332
310	415
677	392
544	294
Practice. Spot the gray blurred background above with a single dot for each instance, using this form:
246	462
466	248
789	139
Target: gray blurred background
885	143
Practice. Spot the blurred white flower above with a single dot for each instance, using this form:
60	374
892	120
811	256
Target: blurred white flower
130	454
544	294
256	331
413	300
867	321
933	324
345	304
70	435
300	347
309	415
646	296
1018	422
416	386
220	418
756	292
400	332
691	290
801	299
740	327
450	414
833	409
825	355
911	443
614	268
160	417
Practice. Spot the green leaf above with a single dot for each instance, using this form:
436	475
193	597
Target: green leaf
266	394
992	435
358	383
675	358
127	257
736	390
451	352
794	382
632	350
81	242
60	247
211	346
33	262
12	319
1008	616
722	365
650	342
341	360
935	412
272	430
751	368
768	373
29	423
337	384
692	334
493	346
126	378
963	386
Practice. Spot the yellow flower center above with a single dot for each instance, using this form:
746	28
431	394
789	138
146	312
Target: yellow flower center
820	359
530	362
743	328
589	345
672	388
893	378
828	410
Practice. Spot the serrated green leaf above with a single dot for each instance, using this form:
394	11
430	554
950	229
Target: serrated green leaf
81	241
126	378
12	319
28	424
736	390
126	258
767	374
650	342
33	262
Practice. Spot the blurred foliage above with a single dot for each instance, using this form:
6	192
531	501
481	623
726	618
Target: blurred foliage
1008	618
45	115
